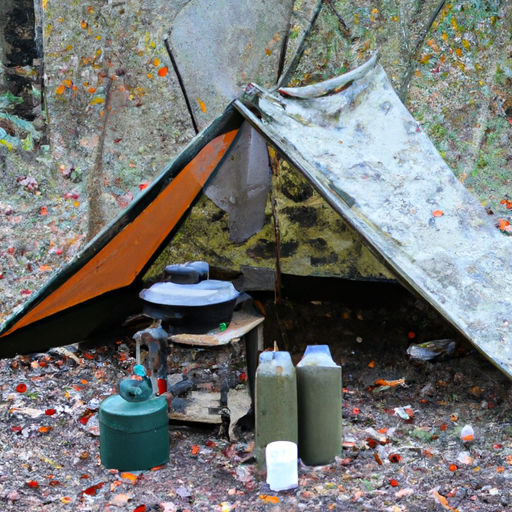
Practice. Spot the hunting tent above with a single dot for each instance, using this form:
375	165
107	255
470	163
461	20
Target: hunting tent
359	147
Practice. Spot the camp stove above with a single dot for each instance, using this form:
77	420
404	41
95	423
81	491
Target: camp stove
188	302
213	348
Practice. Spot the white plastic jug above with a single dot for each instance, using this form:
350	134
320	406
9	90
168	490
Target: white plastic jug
281	458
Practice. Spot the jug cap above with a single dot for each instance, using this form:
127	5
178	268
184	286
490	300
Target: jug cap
317	355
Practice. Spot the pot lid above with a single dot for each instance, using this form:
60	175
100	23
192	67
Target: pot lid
203	293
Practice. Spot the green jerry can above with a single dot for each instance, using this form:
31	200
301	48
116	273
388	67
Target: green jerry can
319	395
133	435
276	402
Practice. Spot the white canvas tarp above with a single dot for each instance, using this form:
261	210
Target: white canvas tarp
373	163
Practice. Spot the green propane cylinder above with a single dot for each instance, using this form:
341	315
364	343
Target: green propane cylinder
319	395
276	402
133	435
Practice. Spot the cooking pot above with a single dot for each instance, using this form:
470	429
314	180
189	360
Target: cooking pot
191	308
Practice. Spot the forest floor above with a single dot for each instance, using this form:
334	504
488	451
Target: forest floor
49	432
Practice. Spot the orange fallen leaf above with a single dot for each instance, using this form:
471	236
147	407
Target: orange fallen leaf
503	224
442	501
390	383
357	495
500	469
377	459
194	450
393	483
60	89
437	213
268	499
202	105
452	467
371	364
156	62
44	210
129	476
163	71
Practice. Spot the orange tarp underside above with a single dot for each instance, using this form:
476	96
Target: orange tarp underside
121	260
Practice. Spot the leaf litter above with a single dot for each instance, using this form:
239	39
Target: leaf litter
390	461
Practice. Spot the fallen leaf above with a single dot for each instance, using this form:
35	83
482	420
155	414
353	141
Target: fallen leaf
390	383
442	500
129	476
393	483
452	467
268	499
372	443
21	388
437	213
394	457
91	491
120	498
202	105
503	224
357	495
60	89
377	459
163	71
194	450
371	364
404	492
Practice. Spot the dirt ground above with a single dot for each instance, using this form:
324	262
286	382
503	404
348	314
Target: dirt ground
50	443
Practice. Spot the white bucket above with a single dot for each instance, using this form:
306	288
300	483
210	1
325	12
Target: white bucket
281	459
